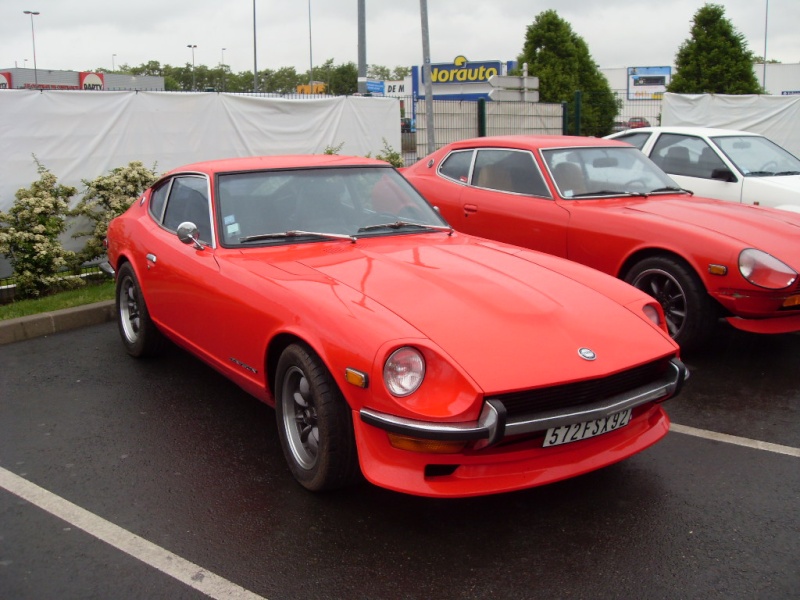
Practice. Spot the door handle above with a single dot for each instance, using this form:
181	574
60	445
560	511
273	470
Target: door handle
151	259
470	209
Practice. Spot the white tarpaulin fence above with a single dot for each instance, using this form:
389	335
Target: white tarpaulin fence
80	135
775	117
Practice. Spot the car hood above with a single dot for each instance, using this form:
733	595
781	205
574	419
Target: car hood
774	231
773	191
507	316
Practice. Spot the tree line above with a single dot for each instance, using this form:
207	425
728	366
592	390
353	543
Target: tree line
339	79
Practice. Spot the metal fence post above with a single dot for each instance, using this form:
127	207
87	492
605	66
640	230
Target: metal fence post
481	117
578	97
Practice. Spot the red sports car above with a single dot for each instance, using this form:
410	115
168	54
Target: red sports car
432	362
604	204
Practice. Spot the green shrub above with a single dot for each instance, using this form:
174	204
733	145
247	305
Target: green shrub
106	197
29	236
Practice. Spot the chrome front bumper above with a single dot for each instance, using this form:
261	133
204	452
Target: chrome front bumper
493	424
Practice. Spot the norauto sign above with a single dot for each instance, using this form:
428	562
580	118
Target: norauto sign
463	71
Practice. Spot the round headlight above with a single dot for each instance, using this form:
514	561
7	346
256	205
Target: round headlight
404	371
764	270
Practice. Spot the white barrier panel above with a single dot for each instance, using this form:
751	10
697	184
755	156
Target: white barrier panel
775	117
80	135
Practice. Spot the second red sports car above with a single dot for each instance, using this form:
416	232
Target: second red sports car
604	204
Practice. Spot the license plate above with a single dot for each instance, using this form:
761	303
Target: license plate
581	431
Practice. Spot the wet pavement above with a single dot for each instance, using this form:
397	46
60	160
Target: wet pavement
171	452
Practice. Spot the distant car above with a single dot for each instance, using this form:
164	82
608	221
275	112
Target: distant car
433	362
736	166
636	122
604	204
406	125
619	126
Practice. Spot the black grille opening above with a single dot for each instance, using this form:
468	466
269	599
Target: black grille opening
528	402
440	470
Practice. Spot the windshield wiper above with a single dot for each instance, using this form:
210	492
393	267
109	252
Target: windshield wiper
788	173
295	233
609	193
400	224
672	189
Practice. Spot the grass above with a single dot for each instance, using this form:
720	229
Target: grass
93	292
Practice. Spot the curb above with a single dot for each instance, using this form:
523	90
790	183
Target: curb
25	328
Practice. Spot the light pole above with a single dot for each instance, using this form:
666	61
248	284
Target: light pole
192	46
113	67
310	54
766	22
33	13
222	67
255	54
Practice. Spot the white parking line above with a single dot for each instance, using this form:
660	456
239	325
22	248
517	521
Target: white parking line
732	439
171	564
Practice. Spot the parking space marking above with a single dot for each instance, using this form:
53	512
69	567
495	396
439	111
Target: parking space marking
732	439
186	572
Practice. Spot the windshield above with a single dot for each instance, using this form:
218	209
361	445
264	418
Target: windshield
605	171
268	207
756	156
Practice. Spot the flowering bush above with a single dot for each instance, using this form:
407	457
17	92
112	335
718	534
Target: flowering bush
106	197
29	234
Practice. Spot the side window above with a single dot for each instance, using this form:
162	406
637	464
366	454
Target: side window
637	140
508	171
157	201
456	166
685	155
188	201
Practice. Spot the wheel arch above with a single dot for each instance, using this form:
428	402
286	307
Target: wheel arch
645	253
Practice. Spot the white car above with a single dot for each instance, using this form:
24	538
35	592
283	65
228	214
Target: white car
737	166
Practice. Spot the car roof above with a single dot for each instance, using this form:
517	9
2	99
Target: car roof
260	163
534	141
689	130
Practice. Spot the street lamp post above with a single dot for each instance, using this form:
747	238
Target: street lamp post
33	13
222	67
192	46
113	66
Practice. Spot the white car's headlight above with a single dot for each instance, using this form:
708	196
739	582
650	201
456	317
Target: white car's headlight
404	371
764	270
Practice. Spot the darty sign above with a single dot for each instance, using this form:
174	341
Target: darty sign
463	71
91	81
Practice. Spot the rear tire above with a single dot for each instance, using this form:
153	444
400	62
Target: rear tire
139	334
689	310
314	422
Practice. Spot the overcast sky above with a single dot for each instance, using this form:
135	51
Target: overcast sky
88	34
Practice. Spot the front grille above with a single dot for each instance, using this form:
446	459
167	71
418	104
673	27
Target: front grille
530	402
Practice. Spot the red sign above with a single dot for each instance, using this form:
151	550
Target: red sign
91	81
5	80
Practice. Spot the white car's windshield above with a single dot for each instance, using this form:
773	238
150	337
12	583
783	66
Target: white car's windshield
756	156
319	204
593	172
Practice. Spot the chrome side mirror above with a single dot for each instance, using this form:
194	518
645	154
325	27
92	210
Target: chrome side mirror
189	234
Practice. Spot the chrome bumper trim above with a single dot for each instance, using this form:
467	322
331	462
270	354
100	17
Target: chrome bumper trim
493	424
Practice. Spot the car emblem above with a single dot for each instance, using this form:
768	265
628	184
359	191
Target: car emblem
587	354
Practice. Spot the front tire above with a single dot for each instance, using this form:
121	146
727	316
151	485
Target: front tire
314	422
689	310
138	332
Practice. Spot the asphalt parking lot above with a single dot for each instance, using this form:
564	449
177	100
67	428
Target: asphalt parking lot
159	479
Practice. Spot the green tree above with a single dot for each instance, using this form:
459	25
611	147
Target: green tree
400	73
562	62
378	72
715	59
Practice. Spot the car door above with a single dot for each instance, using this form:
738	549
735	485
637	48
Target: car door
507	199
180	279
697	166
